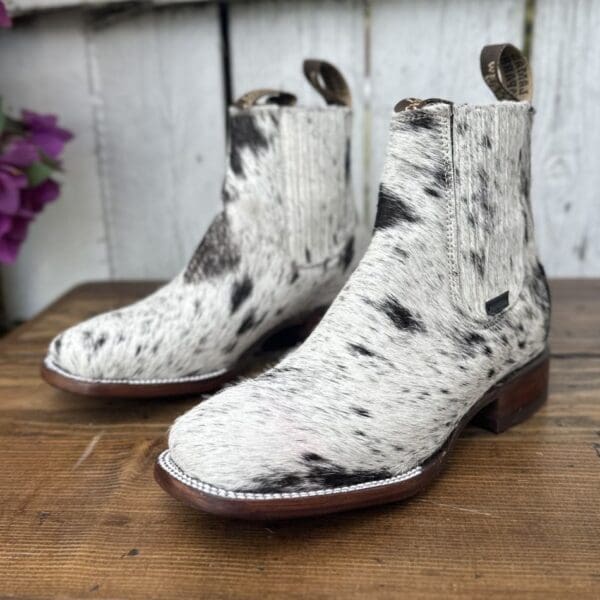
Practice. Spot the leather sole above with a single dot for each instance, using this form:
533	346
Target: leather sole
509	402
281	337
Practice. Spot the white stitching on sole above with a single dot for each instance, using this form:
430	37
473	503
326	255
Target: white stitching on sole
169	465
53	367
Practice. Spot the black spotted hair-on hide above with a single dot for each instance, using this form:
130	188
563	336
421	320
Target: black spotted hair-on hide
402	354
216	254
392	210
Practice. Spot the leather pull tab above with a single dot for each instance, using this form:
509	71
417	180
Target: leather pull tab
328	81
408	104
416	103
506	71
265	96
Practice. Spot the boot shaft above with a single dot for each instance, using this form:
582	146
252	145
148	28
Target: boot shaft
494	230
288	170
461	174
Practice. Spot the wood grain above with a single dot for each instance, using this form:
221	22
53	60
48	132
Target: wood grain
27	7
80	516
565	178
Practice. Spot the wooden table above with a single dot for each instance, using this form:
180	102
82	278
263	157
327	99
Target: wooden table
81	516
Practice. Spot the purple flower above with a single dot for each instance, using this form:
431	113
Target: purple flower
18	206
11	183
29	153
5	20
13	231
19	153
34	199
44	133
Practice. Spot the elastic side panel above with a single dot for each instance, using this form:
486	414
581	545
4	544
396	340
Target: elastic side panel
317	200
491	166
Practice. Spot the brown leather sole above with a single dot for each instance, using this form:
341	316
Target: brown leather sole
507	403
284	336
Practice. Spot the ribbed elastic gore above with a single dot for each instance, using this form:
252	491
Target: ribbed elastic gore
490	213
316	195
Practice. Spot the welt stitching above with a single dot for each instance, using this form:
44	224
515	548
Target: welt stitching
166	462
57	369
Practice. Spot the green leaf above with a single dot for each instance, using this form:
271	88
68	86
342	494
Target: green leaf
53	163
37	173
13	126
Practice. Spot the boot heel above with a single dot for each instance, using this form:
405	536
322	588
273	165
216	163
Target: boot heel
517	398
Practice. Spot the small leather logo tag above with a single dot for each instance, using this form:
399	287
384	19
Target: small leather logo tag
497	304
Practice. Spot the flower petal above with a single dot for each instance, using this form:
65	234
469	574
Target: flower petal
9	250
19	153
5	20
45	133
34	199
10	186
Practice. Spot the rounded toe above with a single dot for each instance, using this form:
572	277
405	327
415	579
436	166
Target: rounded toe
91	351
67	355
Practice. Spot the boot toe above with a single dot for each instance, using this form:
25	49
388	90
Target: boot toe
245	440
218	443
117	346
146	342
90	351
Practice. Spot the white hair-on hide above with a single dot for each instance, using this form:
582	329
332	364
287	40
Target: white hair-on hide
283	246
409	345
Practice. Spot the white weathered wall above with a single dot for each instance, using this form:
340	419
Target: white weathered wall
143	89
158	89
566	138
270	39
430	49
143	92
43	66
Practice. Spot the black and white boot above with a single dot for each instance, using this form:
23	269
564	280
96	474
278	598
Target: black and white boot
275	257
444	320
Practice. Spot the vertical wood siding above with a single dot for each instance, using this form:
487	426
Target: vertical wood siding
430	49
566	144
270	39
43	66
143	89
160	124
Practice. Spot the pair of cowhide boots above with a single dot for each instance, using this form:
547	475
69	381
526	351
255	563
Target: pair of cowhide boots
444	320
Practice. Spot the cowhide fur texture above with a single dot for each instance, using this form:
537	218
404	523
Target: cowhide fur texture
408	345
283	246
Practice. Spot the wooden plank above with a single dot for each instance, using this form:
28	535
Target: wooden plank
566	178
158	81
575	318
80	516
25	7
270	39
430	49
44	68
